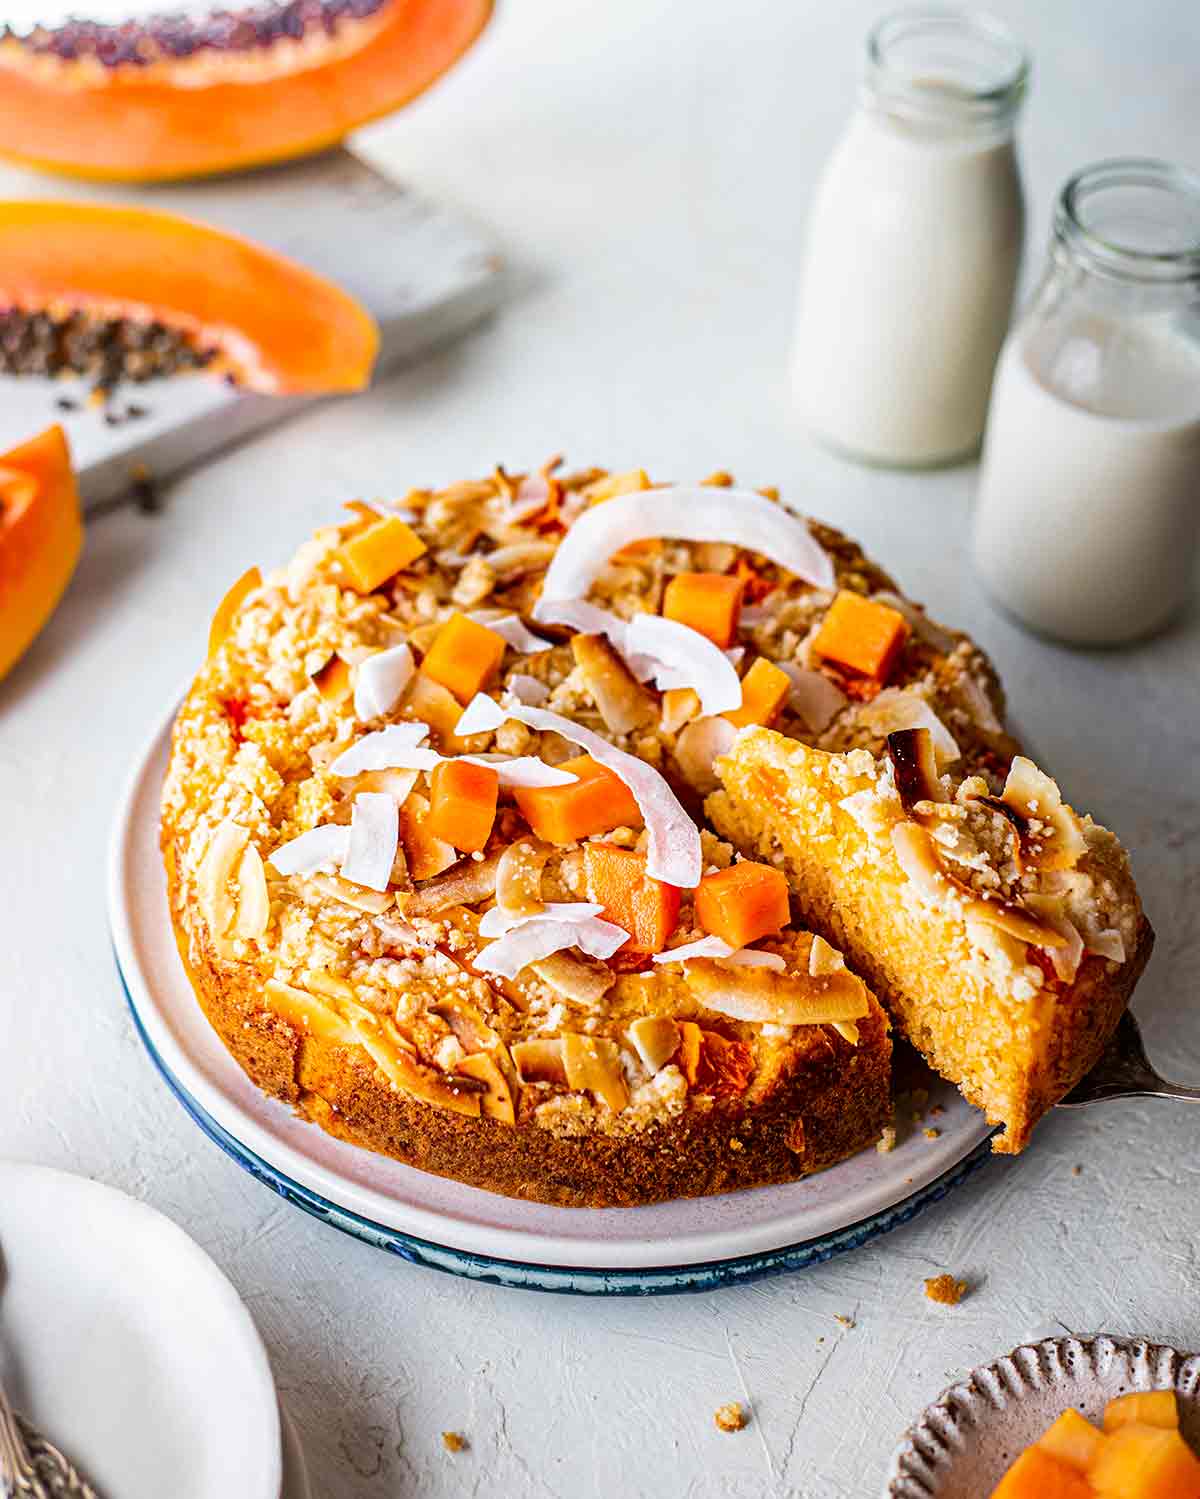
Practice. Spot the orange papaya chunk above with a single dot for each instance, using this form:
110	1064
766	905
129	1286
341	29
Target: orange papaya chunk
1145	1462
647	908
279	328
1143	1408
1037	1475
462	803
227	107
226	610
690	1040
378	552
707	602
464	656
861	636
764	691
743	903
597	801
1072	1439
41	536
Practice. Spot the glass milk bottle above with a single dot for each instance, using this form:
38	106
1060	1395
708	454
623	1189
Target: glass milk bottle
914	244
1088	510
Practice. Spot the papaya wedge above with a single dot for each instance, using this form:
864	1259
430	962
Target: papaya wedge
241	87
40	537
169	294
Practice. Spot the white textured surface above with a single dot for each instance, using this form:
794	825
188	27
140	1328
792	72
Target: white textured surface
649	167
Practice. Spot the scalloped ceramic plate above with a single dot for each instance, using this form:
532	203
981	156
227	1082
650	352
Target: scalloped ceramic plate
683	1245
962	1445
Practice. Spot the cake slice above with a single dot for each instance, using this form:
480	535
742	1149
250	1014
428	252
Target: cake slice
1003	932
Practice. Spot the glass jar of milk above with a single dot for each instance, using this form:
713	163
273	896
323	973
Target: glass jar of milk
1088	512
914	244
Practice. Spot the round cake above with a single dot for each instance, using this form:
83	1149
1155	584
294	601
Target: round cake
441	869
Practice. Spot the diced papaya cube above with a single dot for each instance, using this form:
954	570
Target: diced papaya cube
462	803
647	908
690	1038
1037	1475
707	602
1145	1462
743	903
1143	1408
764	691
226	611
464	656
861	636
378	552
1072	1439
596	802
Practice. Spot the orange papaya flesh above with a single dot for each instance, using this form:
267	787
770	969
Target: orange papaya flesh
226	109
279	328
41	535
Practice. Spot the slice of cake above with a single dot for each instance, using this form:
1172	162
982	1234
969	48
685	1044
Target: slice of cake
1002	931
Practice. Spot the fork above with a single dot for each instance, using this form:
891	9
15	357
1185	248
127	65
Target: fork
33	1468
1124	1071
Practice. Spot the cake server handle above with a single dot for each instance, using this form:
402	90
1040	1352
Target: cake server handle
1124	1071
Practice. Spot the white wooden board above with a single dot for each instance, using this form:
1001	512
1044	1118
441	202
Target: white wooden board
426	275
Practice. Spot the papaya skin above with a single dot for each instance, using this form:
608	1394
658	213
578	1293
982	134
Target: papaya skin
135	129
41	536
282	329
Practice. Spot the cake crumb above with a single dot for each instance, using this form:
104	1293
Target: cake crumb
730	1417
887	1140
932	1134
945	1290
454	1441
1076	1170
843	1321
736	1145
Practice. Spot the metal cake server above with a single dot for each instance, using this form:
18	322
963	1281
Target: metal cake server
1124	1071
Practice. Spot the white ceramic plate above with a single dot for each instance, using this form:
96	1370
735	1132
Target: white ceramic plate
964	1442
128	1348
383	1194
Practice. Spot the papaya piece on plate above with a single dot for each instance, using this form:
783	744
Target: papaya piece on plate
861	636
464	656
1144	1462
1143	1408
184	95
765	689
180	295
597	801
41	535
1072	1439
743	903
1038	1475
647	908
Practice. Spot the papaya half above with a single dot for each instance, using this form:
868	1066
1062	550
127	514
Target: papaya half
41	535
174	96
115	293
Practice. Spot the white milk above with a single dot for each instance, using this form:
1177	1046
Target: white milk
1088	510
914	248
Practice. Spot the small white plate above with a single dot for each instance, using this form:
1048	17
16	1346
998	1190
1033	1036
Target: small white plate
396	1205
128	1348
963	1444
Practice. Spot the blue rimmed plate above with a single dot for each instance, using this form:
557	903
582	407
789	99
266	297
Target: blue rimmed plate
694	1244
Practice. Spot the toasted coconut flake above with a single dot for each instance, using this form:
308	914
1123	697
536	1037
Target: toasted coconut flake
470	1028
699	745
753	957
529	690
624	704
215	872
380	681
703	947
914	769
540	1061
741	517
427	854
1018	827
332	680
593	1064
319	848
254	905
513	630
979	705
679	706
1060	843
374	836
308	1013
519	877
813	698
385	749
673	854
1067	958
1108	944
823	958
497	1101
538	936
523	770
583	618
928	629
678	656
847	1030
497	921
520	557
384	1044
900	708
580	980
397	783
655	1038
767	998
371	902
474	880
